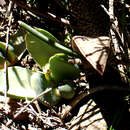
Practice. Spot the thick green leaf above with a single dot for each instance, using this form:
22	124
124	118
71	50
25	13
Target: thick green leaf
19	82
61	70
37	83
40	50
2	61
46	33
24	83
11	57
48	39
66	91
51	97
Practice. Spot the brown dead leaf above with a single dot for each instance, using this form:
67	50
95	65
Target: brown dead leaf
95	50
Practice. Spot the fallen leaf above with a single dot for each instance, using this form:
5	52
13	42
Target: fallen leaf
95	50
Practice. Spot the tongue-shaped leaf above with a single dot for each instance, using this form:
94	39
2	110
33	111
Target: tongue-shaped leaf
42	45
40	50
61	70
27	84
19	82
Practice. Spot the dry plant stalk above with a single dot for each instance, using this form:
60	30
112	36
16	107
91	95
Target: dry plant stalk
9	14
17	114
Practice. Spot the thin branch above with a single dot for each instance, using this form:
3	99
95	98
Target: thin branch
38	13
6	87
117	40
86	118
40	117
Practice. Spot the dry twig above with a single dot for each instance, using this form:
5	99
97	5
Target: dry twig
9	14
17	114
38	13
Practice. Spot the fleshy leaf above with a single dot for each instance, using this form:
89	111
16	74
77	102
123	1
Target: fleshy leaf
27	84
51	97
40	50
11	57
19	82
42	45
2	61
95	50
66	91
61	70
